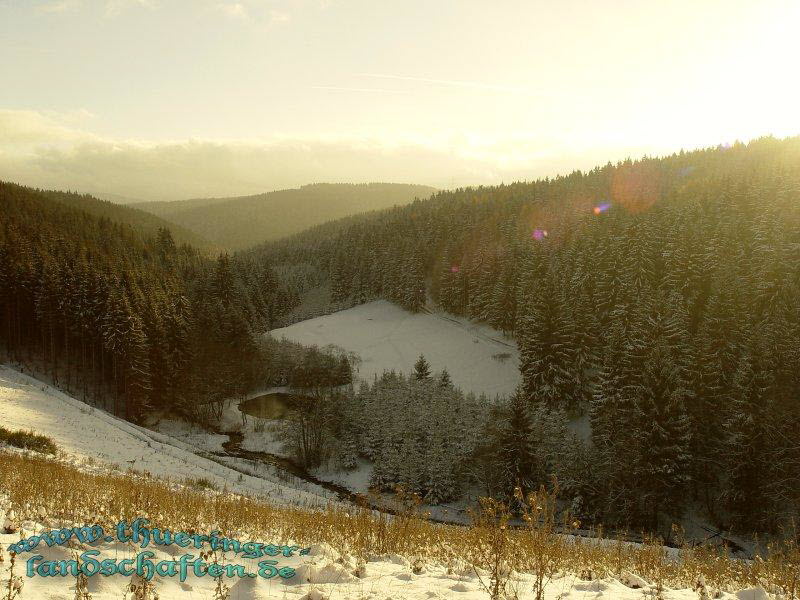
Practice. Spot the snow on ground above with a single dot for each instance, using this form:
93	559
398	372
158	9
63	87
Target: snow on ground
478	358
322	574
89	436
356	479
191	434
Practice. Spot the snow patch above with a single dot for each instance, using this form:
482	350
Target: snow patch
755	593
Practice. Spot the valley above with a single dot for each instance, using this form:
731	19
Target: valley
336	300
97	442
460	368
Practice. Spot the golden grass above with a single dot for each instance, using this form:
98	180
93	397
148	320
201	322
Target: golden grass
38	487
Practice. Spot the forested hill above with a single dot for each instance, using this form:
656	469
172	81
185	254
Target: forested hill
143	221
133	321
238	223
661	296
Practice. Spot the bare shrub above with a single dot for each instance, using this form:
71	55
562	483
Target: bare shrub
12	588
492	546
539	512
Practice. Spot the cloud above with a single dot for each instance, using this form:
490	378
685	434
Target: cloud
115	7
51	150
23	127
109	8
337	88
253	11
213	168
277	16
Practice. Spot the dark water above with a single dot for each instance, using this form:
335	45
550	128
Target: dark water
275	405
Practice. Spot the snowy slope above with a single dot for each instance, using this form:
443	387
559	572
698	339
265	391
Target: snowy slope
388	337
88	435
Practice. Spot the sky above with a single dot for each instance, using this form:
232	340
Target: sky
171	99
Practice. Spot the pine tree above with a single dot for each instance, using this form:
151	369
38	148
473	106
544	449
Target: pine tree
547	352
422	370
165	244
613	413
223	286
137	371
663	427
516	456
746	452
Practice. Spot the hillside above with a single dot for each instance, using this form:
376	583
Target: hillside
659	298
93	439
132	321
144	222
165	208
238	223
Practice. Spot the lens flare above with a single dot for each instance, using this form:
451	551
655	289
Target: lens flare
636	186
539	234
601	208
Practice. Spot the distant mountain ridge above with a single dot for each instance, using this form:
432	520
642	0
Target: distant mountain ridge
163	208
245	221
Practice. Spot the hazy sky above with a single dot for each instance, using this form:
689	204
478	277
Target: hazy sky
164	99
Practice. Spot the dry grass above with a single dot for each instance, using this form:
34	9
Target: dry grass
39	486
28	440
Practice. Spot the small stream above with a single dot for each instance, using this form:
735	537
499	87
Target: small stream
233	447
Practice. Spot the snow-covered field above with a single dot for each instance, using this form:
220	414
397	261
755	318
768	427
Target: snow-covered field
478	358
93	440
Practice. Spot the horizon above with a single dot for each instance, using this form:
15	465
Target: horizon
134	202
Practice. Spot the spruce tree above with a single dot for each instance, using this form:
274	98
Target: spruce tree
516	455
422	370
